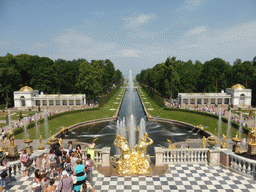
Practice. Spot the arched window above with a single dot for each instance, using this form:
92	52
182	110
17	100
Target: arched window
242	99
22	99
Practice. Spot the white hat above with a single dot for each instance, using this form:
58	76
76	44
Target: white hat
64	173
35	185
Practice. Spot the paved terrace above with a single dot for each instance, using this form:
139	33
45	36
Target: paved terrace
179	178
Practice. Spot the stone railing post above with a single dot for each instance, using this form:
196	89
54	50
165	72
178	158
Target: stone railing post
224	158
105	156
159	156
214	156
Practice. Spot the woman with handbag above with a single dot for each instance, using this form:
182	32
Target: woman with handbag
3	173
24	158
79	172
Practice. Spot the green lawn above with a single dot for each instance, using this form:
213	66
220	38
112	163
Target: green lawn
190	118
71	119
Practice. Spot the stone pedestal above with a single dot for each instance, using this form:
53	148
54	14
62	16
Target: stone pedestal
236	149
214	156
13	152
29	149
251	149
159	156
105	156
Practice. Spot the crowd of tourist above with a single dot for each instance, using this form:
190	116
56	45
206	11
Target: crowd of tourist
65	165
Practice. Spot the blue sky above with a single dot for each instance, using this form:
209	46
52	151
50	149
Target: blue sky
133	34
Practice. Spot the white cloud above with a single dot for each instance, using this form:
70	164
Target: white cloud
130	53
197	30
135	21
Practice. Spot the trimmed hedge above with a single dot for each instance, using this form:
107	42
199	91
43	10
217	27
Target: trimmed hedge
153	95
41	121
105	98
224	119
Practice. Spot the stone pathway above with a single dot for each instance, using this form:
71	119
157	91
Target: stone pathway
179	178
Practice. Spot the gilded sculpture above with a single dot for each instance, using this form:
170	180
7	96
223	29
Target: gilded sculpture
223	144
132	161
204	142
252	137
171	145
11	138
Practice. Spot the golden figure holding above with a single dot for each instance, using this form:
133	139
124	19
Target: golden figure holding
171	145
123	165
11	138
223	144
252	138
5	143
200	127
41	143
204	142
142	163
135	161
60	141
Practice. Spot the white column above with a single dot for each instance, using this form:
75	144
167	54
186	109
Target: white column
195	101
54	102
81	102
202	101
188	101
67	102
74	102
61	102
41	102
181	102
47	102
222	101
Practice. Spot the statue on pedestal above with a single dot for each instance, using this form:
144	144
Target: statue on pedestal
171	145
123	166
11	138
223	144
204	142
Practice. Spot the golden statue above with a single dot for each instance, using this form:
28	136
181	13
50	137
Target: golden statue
132	162
41	143
252	138
223	144
123	165
200	127
204	142
60	141
5	143
11	138
171	146
141	162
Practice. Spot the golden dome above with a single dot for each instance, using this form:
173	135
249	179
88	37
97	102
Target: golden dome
26	88
238	86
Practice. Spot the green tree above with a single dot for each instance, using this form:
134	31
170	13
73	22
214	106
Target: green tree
9	78
90	79
213	76
172	77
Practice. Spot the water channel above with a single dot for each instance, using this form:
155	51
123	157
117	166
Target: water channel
158	131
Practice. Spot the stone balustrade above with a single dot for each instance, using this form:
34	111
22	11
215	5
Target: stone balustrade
242	165
181	155
14	167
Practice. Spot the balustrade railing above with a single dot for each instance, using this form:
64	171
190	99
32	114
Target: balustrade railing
242	165
179	156
14	167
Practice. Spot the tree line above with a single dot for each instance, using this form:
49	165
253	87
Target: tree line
175	76
56	77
